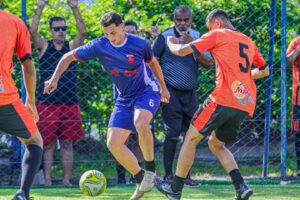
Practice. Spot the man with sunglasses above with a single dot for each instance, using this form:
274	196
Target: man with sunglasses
59	112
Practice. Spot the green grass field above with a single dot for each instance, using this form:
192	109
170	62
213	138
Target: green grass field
219	191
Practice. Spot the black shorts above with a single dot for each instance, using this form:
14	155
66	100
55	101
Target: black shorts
16	120
225	121
178	113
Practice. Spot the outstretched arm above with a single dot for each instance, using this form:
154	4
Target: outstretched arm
37	39
81	27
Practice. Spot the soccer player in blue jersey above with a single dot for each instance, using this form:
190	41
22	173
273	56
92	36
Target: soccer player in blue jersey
124	57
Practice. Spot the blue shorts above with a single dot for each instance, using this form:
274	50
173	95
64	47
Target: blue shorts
123	113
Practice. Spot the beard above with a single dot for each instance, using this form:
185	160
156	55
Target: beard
182	29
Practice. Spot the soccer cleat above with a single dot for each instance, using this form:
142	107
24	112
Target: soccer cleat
190	183
137	193
165	188
243	193
20	195
148	181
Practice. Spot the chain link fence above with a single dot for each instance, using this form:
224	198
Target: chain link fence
257	154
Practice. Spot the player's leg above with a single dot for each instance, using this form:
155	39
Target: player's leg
145	107
142	119
116	139
172	118
70	130
16	120
227	132
133	145
203	123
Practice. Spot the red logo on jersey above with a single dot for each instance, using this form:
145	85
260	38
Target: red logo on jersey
130	58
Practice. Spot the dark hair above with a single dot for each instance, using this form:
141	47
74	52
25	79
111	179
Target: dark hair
131	23
111	18
217	13
54	19
182	9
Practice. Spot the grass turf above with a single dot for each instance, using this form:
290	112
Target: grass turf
123	192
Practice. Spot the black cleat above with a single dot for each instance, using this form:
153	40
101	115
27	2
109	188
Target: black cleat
243	193
20	195
165	188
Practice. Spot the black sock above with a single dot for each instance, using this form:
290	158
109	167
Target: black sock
236	178
297	147
139	176
150	165
30	165
169	154
177	184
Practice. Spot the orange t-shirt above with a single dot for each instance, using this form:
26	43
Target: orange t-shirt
296	67
14	36
234	54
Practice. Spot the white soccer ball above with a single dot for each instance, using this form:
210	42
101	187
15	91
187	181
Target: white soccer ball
92	183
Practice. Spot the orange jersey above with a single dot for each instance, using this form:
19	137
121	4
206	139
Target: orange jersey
234	54
296	67
14	36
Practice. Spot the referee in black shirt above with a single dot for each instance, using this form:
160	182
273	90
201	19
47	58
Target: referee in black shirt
181	77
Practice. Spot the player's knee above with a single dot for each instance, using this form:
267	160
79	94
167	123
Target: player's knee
214	145
112	145
141	125
35	139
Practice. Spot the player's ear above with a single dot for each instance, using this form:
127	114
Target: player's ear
122	25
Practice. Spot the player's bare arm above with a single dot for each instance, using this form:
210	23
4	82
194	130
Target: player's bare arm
178	49
81	27
291	57
156	69
38	40
260	73
30	85
62	66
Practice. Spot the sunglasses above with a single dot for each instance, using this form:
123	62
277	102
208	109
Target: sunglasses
58	28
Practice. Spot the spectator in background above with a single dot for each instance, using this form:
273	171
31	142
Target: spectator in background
59	112
181	77
133	140
293	56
